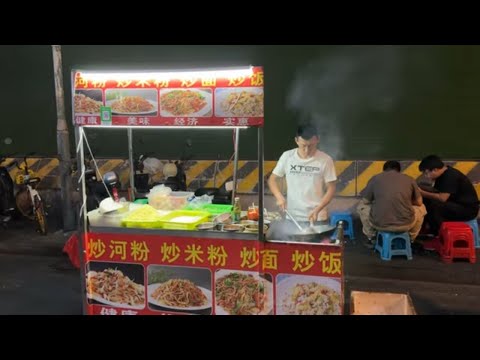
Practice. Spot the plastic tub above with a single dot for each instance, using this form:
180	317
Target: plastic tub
217	209
141	201
144	217
179	199
176	200
213	209
184	219
113	219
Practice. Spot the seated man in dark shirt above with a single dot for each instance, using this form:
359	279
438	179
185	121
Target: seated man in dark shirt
455	199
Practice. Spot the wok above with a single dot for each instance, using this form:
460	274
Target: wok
319	233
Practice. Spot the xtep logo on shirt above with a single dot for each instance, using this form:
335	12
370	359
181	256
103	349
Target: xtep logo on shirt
304	170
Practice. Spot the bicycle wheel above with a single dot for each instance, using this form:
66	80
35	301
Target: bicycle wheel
40	216
24	204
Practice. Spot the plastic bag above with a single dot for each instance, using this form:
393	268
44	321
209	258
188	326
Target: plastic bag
160	190
199	201
152	166
159	198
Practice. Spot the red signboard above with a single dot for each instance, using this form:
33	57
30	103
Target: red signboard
155	275
206	98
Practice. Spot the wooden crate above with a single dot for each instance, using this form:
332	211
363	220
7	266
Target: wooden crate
376	303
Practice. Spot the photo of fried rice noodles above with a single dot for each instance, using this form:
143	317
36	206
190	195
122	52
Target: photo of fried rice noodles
179	293
113	286
240	294
85	105
182	102
132	104
311	299
243	103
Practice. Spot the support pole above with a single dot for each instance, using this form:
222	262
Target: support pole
63	144
82	224
132	165
235	164
260	184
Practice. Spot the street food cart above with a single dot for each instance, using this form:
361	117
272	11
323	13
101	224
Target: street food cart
170	267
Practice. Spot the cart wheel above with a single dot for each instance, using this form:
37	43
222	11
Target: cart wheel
40	216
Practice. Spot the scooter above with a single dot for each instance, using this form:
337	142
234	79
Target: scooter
142	178
220	195
175	177
95	189
174	174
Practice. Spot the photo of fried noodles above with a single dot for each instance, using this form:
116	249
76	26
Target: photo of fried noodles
241	294
85	105
179	293
132	105
311	299
113	286
244	103
182	102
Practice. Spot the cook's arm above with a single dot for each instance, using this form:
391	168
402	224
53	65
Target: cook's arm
331	188
273	185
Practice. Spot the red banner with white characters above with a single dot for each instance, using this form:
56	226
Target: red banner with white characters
203	98
159	275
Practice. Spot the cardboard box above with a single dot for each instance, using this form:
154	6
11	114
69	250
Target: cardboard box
374	303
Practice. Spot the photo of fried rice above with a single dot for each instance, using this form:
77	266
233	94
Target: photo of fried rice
85	105
302	297
239	102
178	293
240	293
185	102
111	286
132	105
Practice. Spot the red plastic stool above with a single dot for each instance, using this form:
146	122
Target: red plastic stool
457	242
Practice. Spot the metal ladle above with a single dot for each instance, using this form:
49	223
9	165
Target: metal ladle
307	230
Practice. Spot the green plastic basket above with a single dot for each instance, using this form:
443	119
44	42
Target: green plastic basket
171	221
214	209
141	201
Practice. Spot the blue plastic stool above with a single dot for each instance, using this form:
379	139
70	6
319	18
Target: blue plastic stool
476	235
347	218
389	244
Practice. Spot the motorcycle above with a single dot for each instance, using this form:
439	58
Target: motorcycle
175	177
144	174
96	190
222	195
174	173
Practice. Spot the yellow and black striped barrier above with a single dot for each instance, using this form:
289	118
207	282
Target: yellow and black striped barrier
353	176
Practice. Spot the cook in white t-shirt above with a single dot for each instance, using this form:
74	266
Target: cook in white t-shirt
310	176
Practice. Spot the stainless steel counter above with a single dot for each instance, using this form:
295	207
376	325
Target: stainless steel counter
179	233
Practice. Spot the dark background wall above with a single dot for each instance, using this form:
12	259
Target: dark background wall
369	102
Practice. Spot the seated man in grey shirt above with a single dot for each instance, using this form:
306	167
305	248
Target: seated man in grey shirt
391	202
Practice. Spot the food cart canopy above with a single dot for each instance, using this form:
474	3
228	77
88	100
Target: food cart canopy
231	98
